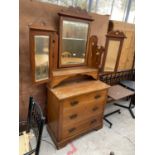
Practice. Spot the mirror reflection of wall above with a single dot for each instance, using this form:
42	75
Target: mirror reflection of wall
41	47
74	41
112	53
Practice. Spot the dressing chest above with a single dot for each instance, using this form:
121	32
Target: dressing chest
75	108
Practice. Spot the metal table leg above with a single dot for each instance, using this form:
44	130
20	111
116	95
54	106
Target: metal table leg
128	107
109	114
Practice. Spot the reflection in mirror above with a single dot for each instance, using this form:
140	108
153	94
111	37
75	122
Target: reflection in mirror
41	45
74	40
111	58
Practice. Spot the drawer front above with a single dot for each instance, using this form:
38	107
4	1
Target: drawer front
81	100
82	113
82	107
74	115
94	109
81	126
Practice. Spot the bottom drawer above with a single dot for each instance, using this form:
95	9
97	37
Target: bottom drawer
81	126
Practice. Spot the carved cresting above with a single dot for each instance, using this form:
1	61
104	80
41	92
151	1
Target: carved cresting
116	34
76	12
95	52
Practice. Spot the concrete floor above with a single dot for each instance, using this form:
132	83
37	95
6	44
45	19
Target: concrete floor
120	139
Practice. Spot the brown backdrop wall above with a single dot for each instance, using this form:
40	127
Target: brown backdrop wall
34	12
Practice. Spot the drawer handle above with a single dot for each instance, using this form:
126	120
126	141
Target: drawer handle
71	130
93	121
95	108
73	103
73	116
97	96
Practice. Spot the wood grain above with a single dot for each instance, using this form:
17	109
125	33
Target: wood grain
62	74
83	99
75	108
75	89
78	128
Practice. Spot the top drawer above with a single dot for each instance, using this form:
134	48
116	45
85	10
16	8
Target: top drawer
99	96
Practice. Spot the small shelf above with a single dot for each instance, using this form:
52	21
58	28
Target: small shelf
63	74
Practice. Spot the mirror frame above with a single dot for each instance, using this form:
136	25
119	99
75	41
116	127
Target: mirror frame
40	30
75	15
115	36
60	42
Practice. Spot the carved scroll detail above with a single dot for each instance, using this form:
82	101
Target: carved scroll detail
95	52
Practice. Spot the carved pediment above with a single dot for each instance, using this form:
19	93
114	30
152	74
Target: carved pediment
75	12
41	25
116	34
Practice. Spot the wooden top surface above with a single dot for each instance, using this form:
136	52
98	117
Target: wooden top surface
118	92
78	88
73	71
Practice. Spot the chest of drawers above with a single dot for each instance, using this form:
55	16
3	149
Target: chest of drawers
74	109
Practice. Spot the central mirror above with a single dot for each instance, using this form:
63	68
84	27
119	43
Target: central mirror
73	43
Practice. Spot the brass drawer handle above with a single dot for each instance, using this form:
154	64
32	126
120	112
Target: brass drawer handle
97	96
93	121
73	116
72	129
73	103
95	108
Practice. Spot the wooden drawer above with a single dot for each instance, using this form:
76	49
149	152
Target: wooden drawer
84	99
82	112
74	115
94	109
78	128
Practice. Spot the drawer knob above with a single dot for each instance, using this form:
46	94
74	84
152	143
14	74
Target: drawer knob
95	108
73	103
93	121
97	96
72	129
73	116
